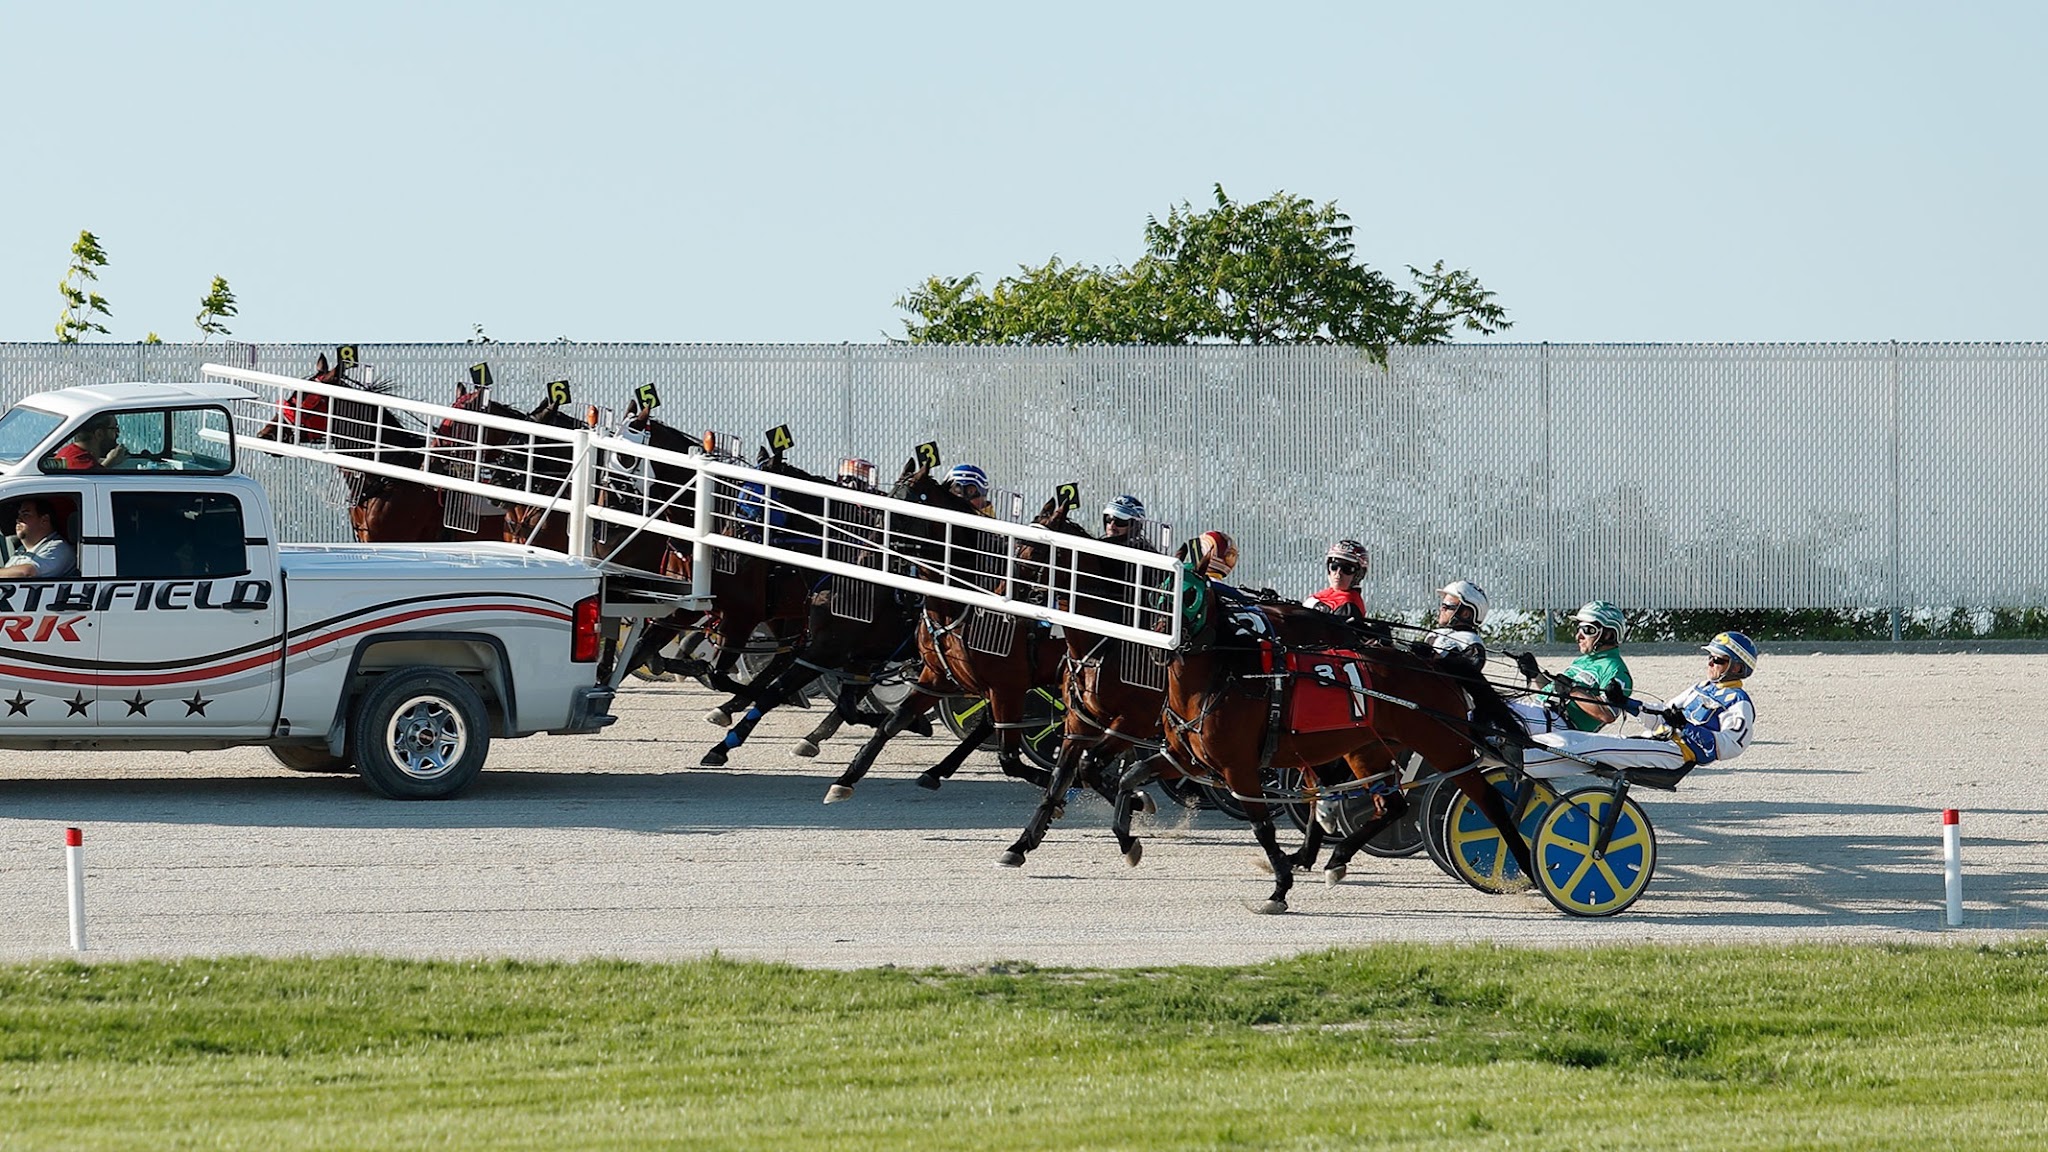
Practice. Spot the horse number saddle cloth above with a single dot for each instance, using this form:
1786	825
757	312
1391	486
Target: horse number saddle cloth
1327	691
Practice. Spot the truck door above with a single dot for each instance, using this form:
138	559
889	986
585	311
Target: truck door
49	642
190	618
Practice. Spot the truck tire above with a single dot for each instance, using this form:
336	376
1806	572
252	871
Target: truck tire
420	734
309	758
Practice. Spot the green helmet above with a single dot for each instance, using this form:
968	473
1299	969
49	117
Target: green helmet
1607	616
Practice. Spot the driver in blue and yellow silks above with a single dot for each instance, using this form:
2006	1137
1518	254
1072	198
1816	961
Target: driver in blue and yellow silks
1711	721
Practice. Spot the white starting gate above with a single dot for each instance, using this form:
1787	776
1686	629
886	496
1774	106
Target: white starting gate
852	534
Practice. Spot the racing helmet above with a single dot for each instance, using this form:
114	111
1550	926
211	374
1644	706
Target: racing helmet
1605	615
1472	595
854	470
1740	651
1349	552
1215	554
1124	508
970	474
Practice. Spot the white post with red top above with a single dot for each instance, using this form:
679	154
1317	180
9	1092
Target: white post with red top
74	865
1952	863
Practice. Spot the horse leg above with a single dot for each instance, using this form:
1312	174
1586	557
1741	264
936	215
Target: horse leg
1283	872
842	708
1042	816
764	702
745	694
863	760
944	769
1348	846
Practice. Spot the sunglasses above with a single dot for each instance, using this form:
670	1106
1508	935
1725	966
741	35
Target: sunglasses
1717	660
1590	629
1345	567
1450	606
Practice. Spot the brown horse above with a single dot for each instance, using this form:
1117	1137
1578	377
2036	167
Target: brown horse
1236	700
973	652
858	645
746	591
1114	691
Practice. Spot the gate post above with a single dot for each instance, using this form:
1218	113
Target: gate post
580	493
700	533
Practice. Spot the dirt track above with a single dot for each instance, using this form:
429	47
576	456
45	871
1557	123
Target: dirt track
1828	829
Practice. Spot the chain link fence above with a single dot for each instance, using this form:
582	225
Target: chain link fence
1785	476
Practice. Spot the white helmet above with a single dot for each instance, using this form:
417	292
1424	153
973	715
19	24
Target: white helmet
1605	615
1468	593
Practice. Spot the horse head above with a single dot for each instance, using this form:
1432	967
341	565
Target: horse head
302	416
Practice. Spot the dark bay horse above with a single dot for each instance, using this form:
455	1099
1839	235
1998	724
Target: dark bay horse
746	591
975	652
1229	708
860	645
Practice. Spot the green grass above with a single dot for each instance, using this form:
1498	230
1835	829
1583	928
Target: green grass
1422	1047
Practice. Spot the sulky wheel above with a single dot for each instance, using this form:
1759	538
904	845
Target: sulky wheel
1477	854
961	713
1404	836
1046	713
1435	801
1579	882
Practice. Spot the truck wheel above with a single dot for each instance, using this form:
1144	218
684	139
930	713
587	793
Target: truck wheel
420	734
309	758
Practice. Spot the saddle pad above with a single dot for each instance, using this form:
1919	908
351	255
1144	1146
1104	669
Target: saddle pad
1328	691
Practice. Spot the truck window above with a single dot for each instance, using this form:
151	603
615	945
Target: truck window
172	535
21	429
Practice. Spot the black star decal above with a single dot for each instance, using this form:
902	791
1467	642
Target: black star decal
136	704
78	704
196	706
19	705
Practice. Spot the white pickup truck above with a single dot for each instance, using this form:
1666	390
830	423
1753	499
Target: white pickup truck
167	616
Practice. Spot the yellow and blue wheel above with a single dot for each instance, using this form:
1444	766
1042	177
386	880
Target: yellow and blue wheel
1580	883
1474	847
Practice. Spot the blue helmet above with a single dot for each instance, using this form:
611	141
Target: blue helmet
1124	508
1739	650
968	474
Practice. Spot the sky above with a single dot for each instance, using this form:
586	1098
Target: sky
777	173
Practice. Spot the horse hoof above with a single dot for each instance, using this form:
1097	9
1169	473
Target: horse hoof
1144	804
1271	908
1011	860
1134	853
714	758
928	781
838	792
806	748
1331	876
720	717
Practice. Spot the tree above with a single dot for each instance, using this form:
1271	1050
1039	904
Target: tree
1277	271
82	308
214	309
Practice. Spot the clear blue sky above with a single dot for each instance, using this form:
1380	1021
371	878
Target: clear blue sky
764	172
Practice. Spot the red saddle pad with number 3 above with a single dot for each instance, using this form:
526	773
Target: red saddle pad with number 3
1327	691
